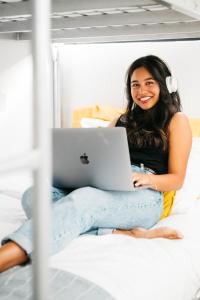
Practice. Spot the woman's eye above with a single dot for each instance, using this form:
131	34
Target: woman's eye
149	82
134	85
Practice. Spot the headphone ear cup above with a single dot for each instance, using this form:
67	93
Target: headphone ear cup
172	84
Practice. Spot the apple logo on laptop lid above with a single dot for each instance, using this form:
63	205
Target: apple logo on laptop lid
84	159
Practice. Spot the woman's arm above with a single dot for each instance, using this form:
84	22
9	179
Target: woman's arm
180	141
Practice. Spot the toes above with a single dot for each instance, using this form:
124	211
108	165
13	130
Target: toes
173	234
165	232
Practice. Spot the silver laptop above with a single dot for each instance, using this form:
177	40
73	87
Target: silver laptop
97	157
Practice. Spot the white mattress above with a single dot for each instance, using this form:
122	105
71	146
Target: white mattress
157	269
127	268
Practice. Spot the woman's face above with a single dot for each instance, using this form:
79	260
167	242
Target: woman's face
145	89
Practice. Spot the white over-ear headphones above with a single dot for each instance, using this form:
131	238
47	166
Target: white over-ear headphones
172	84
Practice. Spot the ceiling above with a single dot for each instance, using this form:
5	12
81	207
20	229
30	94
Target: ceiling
89	21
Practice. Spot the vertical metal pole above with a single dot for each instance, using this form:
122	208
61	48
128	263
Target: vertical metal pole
42	141
56	89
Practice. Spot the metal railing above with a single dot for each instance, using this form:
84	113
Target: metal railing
39	158
42	141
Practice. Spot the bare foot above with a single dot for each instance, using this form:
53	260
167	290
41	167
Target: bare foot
162	232
11	255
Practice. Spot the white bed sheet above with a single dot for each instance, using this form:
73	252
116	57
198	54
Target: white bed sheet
140	269
128	268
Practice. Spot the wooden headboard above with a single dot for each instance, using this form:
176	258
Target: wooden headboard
195	126
108	113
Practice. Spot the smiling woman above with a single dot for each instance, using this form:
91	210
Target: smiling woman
154	125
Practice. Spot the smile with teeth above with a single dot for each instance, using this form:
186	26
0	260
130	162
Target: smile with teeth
145	99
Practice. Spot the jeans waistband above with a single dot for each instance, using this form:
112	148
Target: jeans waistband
143	168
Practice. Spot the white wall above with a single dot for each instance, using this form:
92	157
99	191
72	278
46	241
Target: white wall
91	74
15	97
95	73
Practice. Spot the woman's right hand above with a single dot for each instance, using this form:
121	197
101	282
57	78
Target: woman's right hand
143	179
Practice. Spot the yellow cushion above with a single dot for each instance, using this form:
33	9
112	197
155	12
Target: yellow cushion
168	203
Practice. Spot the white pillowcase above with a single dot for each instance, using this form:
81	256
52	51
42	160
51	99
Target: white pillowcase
190	191
92	122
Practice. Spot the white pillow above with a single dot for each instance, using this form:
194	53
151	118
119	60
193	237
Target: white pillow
190	191
92	122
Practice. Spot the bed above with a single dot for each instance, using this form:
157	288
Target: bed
111	266
116	266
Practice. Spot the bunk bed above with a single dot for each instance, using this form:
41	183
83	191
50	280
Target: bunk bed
106	21
107	267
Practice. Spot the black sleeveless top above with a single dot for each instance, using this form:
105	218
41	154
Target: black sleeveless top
153	158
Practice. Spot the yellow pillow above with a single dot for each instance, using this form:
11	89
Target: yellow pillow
168	203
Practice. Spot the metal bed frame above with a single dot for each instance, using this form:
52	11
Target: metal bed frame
39	159
77	21
90	21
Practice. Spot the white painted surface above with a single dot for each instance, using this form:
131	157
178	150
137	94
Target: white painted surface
95	73
90	74
16	86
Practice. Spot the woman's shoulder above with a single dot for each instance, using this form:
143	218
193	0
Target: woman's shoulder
179	118
179	122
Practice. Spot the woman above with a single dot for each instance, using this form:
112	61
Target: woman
155	128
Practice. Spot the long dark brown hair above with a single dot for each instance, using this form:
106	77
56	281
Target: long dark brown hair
148	128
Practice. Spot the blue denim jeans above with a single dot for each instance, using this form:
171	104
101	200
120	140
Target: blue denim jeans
89	210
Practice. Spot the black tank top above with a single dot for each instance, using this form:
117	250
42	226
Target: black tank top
152	157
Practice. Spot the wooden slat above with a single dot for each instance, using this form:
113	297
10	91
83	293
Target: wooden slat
128	33
146	17
15	9
113	34
77	5
23	8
